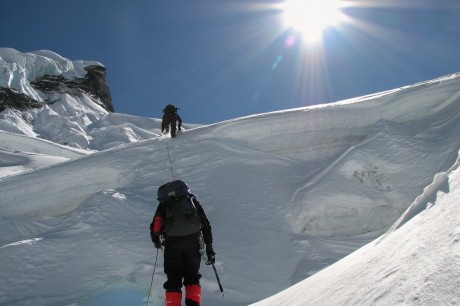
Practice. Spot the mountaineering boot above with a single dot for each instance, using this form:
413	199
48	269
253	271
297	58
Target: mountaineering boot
173	298
192	295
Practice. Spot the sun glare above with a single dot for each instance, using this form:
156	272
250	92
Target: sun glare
311	17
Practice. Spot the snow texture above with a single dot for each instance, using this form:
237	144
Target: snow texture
350	203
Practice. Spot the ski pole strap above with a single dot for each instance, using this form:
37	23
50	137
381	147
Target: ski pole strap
218	280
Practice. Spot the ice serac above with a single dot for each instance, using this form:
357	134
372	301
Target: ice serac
29	80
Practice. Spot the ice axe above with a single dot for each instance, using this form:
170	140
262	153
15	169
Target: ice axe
217	277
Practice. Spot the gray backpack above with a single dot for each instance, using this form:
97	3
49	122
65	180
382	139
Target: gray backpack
181	215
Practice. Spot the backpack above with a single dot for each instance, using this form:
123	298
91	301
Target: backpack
170	109
181	215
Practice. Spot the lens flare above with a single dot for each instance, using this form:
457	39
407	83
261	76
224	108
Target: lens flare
311	17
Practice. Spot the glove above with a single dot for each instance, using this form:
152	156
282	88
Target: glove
156	240
211	255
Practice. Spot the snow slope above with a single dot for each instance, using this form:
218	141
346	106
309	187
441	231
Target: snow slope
416	264
288	194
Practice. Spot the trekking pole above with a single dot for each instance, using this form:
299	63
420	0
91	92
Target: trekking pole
218	280
151	282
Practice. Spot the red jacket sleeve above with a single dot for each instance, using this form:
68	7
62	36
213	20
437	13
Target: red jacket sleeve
157	225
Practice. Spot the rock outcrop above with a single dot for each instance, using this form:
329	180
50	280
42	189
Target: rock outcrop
16	100
94	84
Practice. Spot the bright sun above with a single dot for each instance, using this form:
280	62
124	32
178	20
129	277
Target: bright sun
311	17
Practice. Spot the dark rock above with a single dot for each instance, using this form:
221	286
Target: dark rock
13	99
95	82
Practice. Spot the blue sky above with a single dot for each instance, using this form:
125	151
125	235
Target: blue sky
223	59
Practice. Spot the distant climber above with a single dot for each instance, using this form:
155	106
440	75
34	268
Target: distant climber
171	118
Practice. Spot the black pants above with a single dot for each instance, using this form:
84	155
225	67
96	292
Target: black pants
182	262
169	120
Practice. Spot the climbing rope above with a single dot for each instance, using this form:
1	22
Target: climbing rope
170	161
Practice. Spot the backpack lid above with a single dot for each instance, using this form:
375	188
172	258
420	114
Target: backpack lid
172	191
170	108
